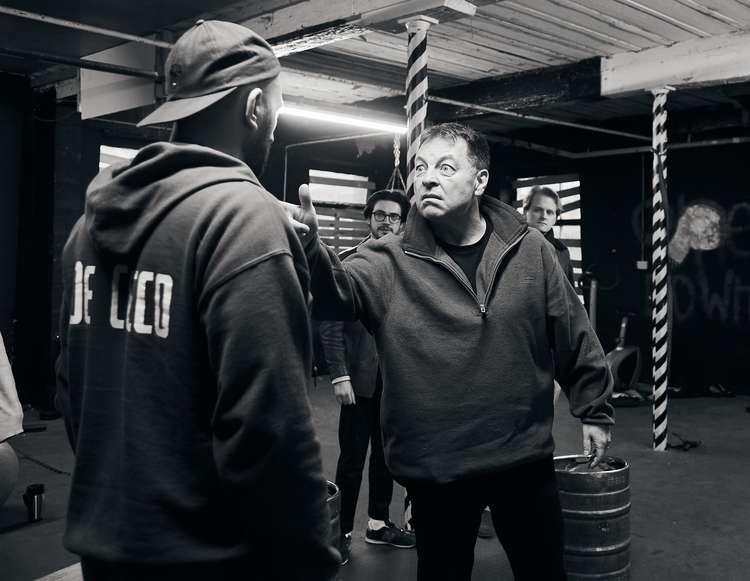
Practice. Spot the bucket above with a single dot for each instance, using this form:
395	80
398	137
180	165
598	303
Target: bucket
596	516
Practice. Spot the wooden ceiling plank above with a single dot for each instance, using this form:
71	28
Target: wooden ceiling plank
493	37
508	17
570	13
530	56
732	8
645	21
379	46
713	13
676	14
467	47
612	21
570	22
525	36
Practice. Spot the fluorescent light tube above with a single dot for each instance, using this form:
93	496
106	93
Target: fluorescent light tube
293	111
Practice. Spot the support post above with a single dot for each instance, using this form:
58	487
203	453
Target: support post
416	90
660	300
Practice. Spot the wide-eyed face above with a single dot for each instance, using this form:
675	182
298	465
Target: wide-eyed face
542	213
386	219
446	180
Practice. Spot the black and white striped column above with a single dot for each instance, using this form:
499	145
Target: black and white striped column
416	91
660	301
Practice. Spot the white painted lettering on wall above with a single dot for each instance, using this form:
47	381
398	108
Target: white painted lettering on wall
149	299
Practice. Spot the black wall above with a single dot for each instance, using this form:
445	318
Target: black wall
13	99
710	287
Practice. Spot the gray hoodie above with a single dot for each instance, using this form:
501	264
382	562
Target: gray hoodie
185	356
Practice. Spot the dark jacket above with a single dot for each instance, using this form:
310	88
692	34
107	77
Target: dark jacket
185	355
467	376
349	349
563	256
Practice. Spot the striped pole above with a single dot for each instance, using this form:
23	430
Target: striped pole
660	302
416	115
416	91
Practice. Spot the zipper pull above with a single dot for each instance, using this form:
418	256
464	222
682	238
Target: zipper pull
483	310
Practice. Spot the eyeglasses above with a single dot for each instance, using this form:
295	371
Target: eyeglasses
381	216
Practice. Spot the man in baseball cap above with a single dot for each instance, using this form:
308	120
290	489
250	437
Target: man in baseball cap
185	344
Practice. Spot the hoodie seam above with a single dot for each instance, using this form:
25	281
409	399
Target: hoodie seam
242	267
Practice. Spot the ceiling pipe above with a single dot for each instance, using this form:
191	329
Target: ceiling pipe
537	118
81	26
670	146
82	64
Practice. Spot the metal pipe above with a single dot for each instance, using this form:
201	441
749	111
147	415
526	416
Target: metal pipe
670	146
326	140
522	144
81	26
83	64
613	152
537	118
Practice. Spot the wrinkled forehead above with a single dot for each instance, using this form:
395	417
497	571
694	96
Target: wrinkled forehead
439	147
543	201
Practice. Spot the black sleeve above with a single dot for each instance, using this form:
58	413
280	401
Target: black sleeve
266	453
580	367
334	348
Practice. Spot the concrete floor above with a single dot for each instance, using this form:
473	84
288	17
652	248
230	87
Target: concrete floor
690	515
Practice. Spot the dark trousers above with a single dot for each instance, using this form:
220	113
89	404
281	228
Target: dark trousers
525	511
359	426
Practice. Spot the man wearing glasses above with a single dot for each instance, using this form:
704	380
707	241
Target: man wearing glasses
355	374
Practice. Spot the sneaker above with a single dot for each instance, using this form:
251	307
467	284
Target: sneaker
486	530
344	547
391	535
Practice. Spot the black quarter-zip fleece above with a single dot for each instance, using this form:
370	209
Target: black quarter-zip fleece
467	376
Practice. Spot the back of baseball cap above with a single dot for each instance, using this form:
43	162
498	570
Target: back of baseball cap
207	63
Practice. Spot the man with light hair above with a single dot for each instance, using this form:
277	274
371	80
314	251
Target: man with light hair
542	208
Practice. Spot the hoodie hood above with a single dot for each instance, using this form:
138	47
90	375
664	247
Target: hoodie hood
125	202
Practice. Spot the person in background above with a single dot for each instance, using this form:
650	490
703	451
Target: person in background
186	344
542	208
473	320
353	365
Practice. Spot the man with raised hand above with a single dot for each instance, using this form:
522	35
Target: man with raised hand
186	344
473	319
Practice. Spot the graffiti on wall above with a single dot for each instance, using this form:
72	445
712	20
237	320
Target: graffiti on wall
710	255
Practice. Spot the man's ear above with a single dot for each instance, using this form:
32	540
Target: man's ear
480	181
252	106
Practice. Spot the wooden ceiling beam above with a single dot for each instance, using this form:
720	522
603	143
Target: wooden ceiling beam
716	60
534	88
